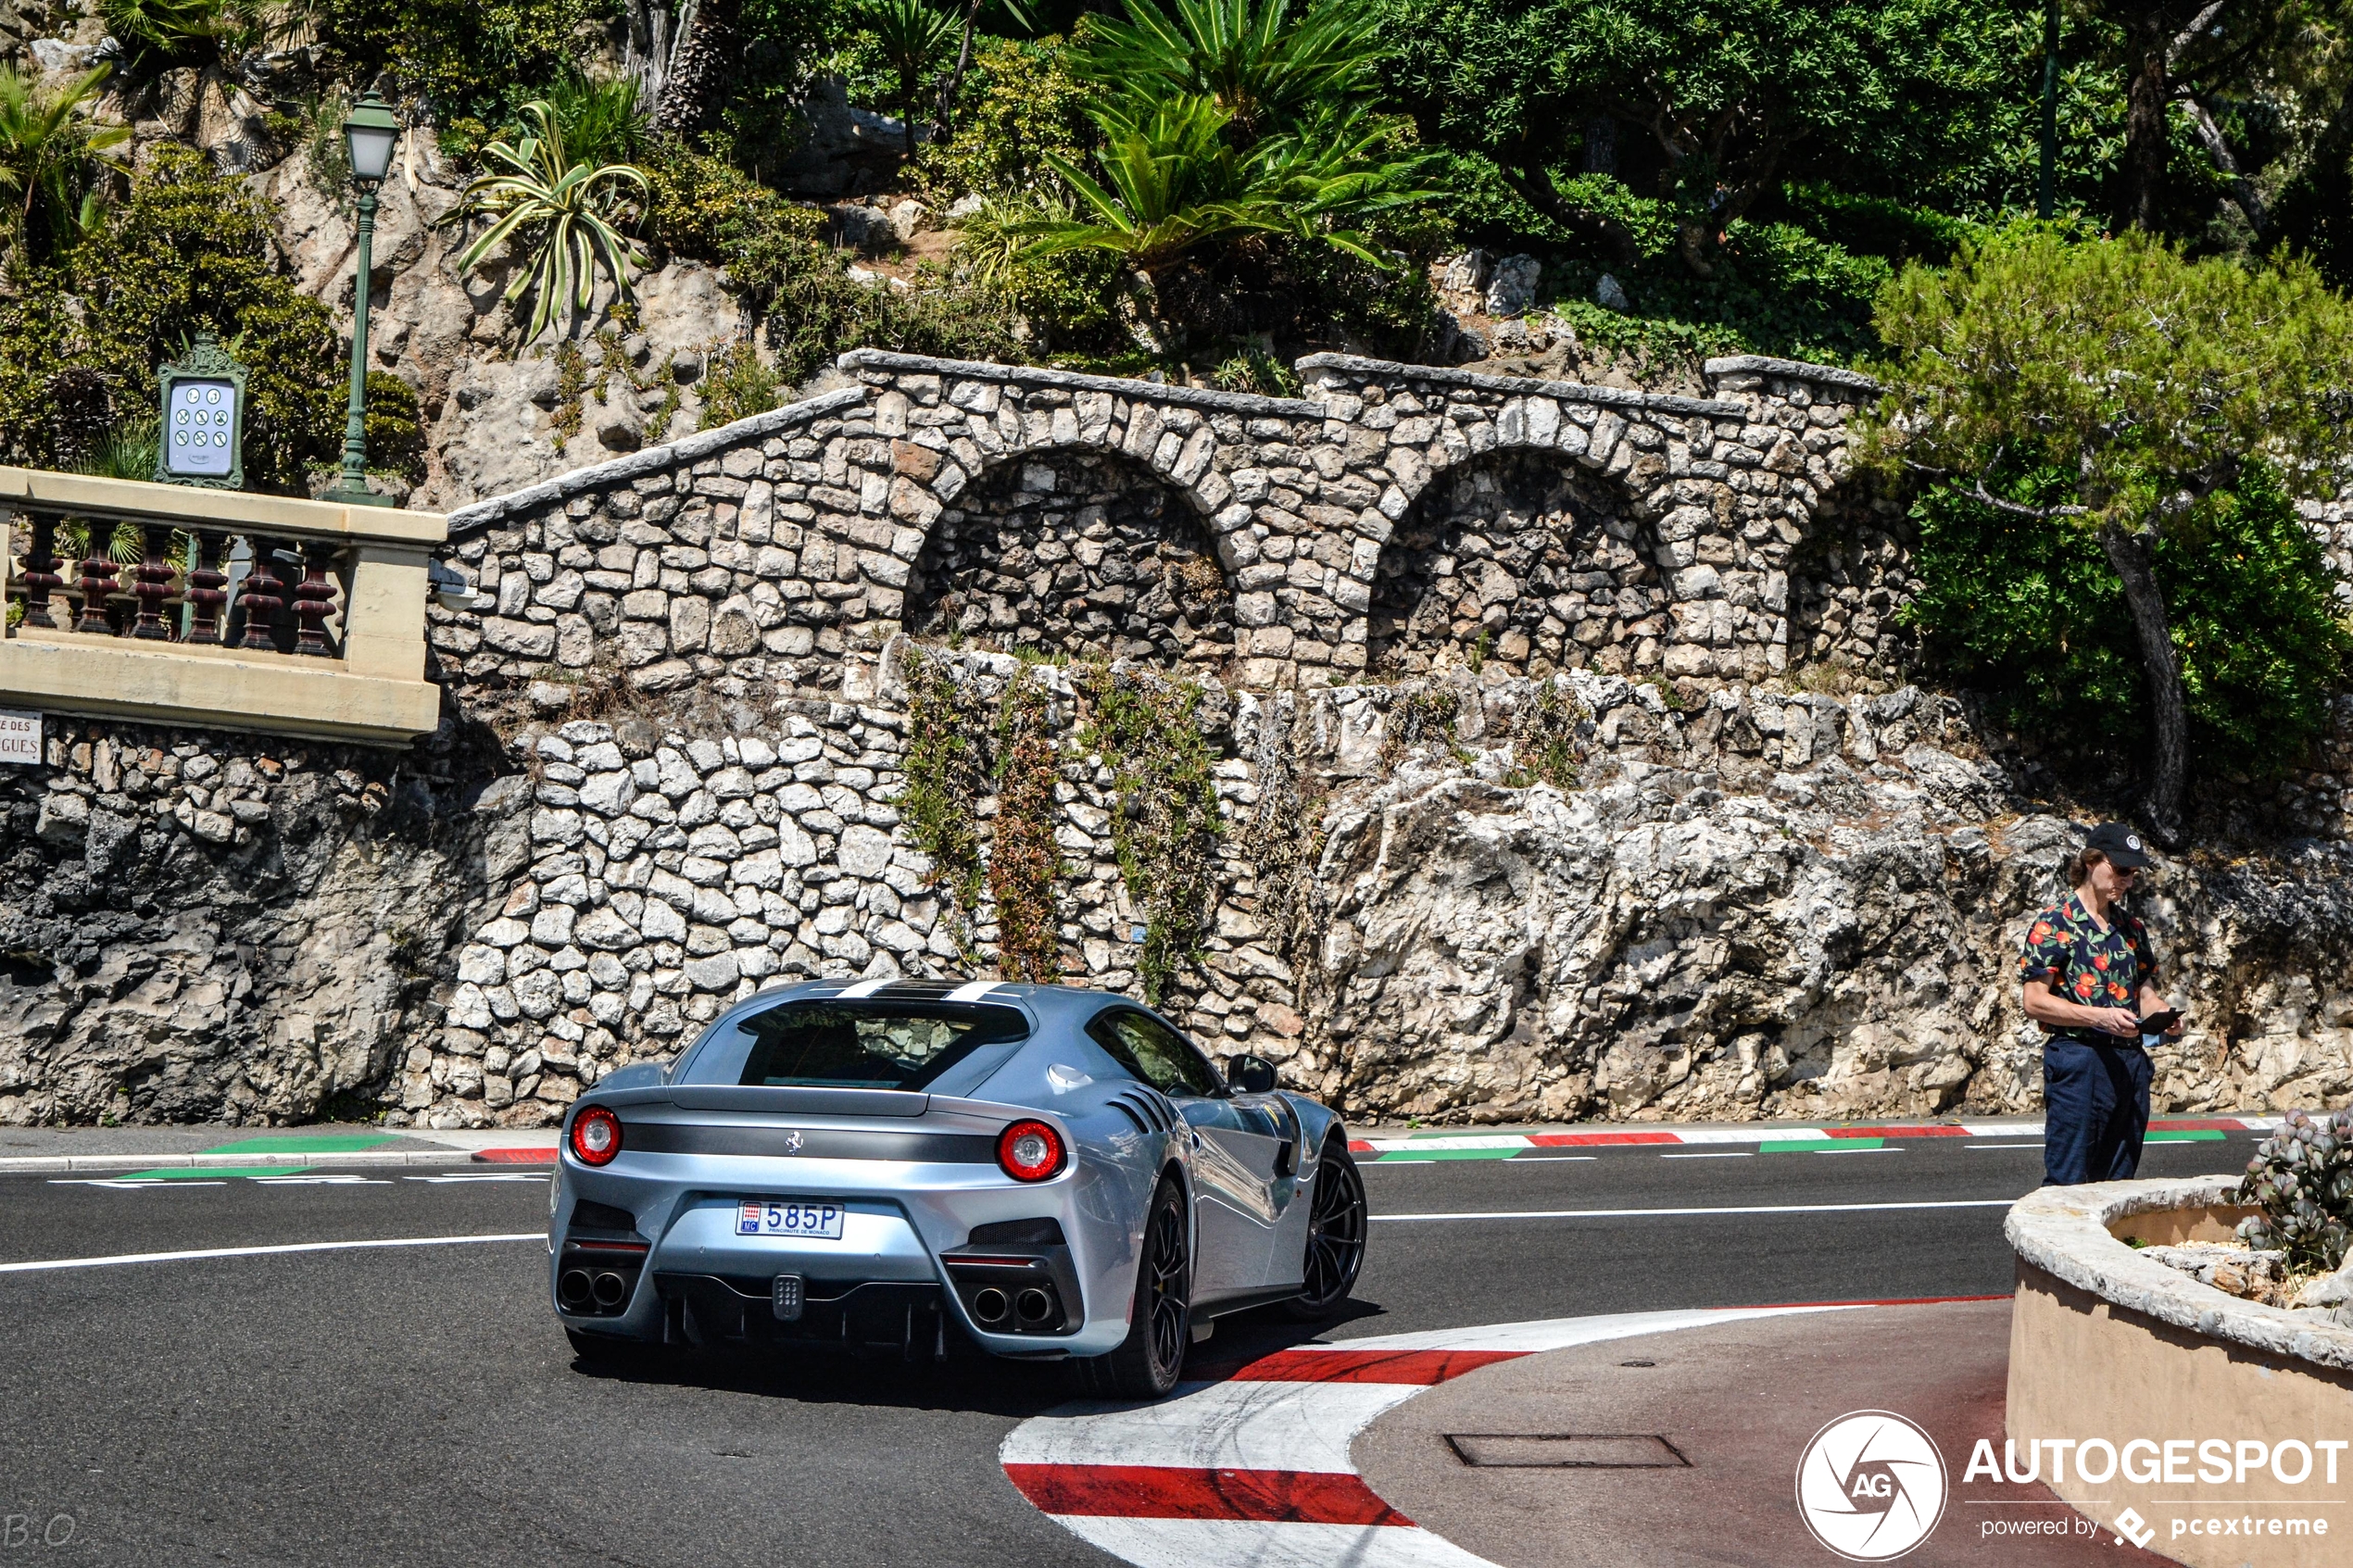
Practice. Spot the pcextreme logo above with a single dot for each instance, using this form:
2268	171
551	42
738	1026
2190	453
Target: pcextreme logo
1871	1485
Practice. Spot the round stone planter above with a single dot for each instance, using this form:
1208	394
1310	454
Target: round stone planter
2179	1379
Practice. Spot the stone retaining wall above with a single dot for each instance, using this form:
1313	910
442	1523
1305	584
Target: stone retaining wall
1600	854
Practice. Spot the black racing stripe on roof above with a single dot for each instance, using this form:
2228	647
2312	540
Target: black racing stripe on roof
813	1143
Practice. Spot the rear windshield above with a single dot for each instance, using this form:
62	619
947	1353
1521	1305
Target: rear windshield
858	1045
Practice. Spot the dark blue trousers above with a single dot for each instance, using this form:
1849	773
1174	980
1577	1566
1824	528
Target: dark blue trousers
2096	1111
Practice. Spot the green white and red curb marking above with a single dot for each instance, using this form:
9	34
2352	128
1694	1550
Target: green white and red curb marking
1418	1147
290	1154
1254	1468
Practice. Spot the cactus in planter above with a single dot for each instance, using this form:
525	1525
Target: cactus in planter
2302	1176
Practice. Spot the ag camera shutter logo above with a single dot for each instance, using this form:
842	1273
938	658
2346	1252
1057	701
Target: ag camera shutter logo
1871	1486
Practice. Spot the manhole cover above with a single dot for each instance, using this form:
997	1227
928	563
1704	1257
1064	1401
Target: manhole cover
1567	1451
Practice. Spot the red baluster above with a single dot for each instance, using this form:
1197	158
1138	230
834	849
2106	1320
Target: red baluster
205	593
314	599
152	583
97	582
41	577
259	595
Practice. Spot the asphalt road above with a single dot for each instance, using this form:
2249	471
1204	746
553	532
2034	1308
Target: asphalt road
418	1405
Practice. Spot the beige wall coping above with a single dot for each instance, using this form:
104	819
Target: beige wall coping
216	688
234	510
2066	1231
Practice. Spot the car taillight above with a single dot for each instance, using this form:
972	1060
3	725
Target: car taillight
1030	1152
596	1137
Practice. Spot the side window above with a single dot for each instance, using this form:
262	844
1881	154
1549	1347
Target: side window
1155	1053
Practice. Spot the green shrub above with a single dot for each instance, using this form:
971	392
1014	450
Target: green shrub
396	427
474	61
815	309
700	204
2302	1176
1020	102
187	252
736	385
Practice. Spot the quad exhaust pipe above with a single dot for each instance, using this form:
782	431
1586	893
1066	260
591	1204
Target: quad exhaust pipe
574	1288
609	1288
1034	1307
989	1305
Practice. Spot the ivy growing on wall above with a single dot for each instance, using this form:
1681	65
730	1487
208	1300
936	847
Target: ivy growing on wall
1025	863
1165	823
947	771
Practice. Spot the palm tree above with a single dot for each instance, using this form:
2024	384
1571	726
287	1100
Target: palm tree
567	205
913	40
52	169
1173	180
1255	63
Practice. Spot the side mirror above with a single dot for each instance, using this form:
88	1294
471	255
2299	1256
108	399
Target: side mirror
1249	1075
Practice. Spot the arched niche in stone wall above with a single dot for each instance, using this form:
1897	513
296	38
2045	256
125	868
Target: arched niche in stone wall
1517	558
1075	550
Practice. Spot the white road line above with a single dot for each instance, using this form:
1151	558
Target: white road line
1745	1209
1853	1151
1745	1154
1535	1159
471	1176
124	1184
340	1181
1978	1146
260	1252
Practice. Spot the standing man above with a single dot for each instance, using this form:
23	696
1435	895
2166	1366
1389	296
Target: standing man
2088	976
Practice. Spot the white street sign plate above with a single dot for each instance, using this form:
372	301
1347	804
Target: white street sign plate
198	430
19	737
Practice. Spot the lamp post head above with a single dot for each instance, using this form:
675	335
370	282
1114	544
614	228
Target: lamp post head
369	133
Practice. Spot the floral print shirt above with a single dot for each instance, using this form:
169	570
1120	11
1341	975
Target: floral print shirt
2086	964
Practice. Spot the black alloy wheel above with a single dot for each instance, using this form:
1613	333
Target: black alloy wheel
1160	1324
1336	1231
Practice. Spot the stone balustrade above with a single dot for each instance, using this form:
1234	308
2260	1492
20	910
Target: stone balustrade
217	608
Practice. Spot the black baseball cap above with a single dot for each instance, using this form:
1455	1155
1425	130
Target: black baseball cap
2122	845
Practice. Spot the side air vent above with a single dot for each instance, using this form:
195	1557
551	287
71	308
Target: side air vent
1128	1110
588	1215
1044	1232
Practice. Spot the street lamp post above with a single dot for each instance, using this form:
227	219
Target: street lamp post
369	133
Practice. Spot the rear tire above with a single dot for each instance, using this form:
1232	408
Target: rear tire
1159	1325
1336	1231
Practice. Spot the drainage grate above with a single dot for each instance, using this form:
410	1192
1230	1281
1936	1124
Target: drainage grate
1567	1451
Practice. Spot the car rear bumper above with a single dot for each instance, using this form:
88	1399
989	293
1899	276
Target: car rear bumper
894	1279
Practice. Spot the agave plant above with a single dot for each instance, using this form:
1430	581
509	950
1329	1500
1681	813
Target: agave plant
565	208
52	160
2302	1178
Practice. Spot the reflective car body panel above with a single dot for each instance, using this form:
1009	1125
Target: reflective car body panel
930	1222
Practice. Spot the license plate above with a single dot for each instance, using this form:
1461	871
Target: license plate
790	1216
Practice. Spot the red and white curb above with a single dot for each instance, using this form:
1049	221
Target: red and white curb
1255	1469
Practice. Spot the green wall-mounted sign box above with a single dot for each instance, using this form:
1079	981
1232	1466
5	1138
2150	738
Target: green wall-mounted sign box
202	441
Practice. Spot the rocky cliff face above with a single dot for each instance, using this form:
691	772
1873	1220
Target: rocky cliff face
229	929
1754	937
501	414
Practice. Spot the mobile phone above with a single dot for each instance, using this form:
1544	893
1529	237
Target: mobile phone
2158	1022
